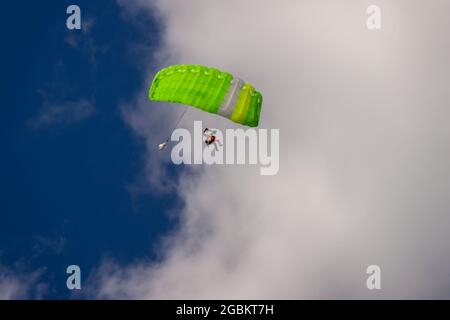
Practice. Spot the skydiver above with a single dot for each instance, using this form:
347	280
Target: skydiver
211	138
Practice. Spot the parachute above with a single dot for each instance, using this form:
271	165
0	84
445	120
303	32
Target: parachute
210	90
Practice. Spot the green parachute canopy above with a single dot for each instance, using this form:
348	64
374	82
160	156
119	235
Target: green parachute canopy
210	90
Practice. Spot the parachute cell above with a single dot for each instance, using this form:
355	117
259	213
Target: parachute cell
210	90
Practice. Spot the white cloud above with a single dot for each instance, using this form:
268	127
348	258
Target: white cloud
364	164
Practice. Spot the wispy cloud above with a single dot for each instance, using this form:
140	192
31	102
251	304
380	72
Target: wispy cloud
57	108
21	285
64	113
83	40
55	245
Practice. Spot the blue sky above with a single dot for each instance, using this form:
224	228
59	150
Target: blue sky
68	159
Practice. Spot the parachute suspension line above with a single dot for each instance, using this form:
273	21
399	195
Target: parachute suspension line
178	122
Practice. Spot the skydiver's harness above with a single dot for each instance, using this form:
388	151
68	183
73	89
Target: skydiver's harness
210	138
